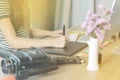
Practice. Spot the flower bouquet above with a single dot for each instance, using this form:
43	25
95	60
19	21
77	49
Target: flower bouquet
95	25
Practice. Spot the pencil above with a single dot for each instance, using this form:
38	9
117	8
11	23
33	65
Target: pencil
63	30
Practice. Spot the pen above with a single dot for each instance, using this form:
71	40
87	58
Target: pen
63	30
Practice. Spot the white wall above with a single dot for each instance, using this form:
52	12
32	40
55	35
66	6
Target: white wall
79	11
43	12
62	14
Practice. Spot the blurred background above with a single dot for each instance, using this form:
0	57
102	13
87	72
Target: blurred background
53	14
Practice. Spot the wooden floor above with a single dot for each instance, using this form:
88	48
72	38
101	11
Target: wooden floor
109	69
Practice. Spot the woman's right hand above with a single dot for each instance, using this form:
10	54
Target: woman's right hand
58	42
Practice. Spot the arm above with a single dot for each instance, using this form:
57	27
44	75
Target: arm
17	42
37	32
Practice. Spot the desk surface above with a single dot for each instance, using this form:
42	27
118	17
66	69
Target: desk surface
109	69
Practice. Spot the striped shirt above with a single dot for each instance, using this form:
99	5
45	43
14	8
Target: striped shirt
6	12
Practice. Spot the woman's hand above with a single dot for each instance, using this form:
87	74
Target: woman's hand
56	33
58	42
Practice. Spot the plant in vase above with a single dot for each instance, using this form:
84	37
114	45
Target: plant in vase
95	25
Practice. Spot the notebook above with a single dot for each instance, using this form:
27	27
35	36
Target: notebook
70	49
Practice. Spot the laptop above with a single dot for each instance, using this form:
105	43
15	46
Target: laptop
70	49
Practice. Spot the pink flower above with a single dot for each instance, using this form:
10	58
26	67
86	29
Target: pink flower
108	13
95	23
107	26
99	34
84	25
102	21
89	14
101	7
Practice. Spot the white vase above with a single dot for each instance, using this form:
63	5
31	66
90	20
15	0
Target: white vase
93	55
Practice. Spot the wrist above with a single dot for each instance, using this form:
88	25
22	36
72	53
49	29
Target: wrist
50	33
50	43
